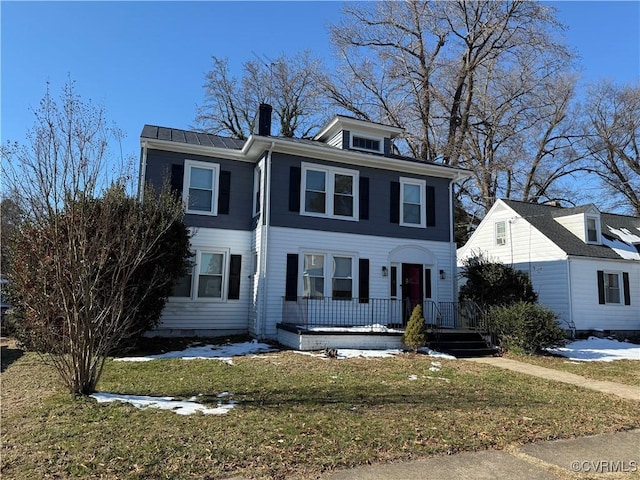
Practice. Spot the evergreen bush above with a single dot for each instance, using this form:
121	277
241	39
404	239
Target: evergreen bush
526	327
415	335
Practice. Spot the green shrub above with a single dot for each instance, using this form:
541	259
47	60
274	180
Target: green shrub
491	283
415	335
525	327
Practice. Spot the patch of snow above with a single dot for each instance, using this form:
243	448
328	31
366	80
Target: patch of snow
344	353
624	244
598	349
206	352
413	377
433	353
181	407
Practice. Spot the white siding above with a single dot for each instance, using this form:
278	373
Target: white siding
220	315
587	312
291	240
527	250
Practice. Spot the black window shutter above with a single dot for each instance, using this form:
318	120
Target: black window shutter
235	266
224	193
363	280
601	297
291	288
394	197
625	284
364	198
427	283
294	189
431	206
177	179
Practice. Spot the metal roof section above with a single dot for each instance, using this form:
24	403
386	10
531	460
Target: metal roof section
177	135
621	233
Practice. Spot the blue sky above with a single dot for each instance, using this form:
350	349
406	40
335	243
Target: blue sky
145	61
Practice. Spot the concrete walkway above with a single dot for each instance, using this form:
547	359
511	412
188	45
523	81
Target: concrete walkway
628	392
610	456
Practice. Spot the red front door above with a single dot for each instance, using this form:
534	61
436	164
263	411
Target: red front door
412	289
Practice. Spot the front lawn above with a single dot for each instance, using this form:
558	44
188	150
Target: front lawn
296	416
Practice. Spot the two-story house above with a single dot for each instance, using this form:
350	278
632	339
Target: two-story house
584	264
334	231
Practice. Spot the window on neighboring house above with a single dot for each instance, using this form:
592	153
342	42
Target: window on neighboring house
214	276
313	276
200	190
613	288
412	207
501	233
592	230
329	192
364	143
342	282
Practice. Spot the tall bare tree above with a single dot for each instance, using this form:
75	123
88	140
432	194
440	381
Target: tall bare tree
288	83
465	79
613	140
91	267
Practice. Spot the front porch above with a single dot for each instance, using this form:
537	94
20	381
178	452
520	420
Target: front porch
370	323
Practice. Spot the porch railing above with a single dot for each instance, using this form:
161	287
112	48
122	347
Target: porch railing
338	312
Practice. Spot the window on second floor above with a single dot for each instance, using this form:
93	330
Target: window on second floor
501	233
257	190
593	234
412	202
329	192
200	189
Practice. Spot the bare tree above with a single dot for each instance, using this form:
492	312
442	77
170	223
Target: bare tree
91	266
289	84
460	77
612	140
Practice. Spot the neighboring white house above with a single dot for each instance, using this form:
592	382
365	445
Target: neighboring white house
584	264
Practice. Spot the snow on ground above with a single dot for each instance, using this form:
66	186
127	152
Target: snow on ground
181	407
377	328
598	349
343	353
203	352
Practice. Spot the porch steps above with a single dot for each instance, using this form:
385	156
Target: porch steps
462	344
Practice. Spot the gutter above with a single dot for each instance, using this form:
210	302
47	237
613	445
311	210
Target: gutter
143	170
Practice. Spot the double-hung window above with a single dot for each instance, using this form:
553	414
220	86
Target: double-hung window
214	275
501	233
200	189
593	235
257	190
412	202
329	192
612	287
327	275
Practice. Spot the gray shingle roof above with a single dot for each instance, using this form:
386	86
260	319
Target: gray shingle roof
542	217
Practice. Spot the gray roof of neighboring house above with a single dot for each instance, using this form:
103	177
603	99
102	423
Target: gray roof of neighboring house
542	217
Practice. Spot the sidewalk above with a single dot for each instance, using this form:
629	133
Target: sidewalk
628	392
611	456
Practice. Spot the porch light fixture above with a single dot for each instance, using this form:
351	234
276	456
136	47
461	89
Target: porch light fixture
385	272
443	275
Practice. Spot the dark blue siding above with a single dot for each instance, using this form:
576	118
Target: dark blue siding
160	165
379	204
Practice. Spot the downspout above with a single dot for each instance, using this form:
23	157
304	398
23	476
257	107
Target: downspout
452	242
143	170
264	256
572	324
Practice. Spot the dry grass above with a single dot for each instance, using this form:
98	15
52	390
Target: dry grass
297	416
621	371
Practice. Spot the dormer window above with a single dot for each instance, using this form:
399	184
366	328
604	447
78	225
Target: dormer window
364	143
593	230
